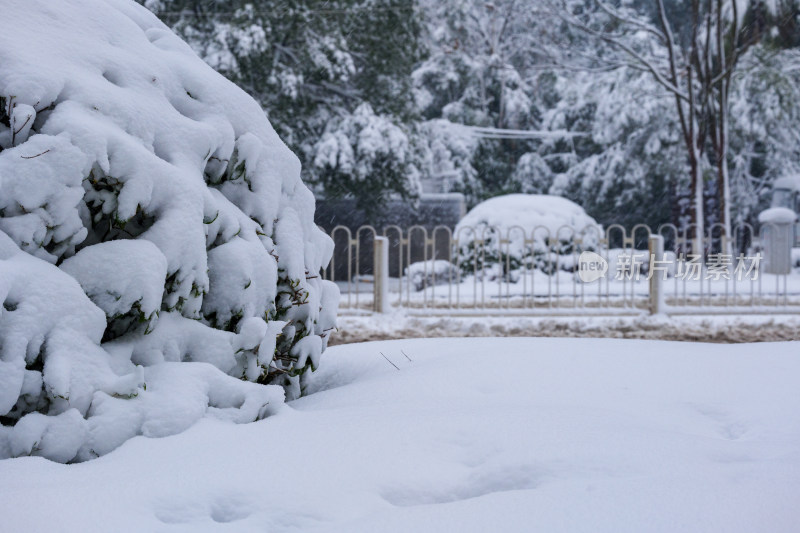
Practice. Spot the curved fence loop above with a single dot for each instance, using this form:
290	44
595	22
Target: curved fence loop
744	236
448	238
517	269
639	228
690	239
595	231
670	229
407	273
349	258
620	230
716	238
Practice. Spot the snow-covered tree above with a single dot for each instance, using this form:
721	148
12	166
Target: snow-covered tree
313	65
478	74
448	153
368	153
764	138
629	164
158	256
692	52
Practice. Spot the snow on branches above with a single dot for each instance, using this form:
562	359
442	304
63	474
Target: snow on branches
149	216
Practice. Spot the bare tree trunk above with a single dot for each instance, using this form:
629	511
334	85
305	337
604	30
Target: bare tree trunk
723	178
697	212
726	63
694	145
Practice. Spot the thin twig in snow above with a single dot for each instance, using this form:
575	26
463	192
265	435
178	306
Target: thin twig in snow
32	156
23	124
390	362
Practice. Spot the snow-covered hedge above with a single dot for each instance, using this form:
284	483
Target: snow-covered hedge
158	254
432	272
505	233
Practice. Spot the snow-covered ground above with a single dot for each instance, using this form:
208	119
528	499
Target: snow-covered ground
464	435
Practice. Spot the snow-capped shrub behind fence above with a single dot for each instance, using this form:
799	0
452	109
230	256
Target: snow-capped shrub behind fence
424	274
505	233
149	216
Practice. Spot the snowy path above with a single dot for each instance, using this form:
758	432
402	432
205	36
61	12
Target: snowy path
472	435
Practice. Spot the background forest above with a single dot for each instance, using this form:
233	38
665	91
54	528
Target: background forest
646	110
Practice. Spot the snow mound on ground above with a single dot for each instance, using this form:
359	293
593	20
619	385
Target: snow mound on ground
149	215
524	229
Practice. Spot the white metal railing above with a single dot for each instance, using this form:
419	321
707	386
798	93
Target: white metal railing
529	271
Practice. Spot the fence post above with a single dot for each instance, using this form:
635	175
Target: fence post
656	248
381	275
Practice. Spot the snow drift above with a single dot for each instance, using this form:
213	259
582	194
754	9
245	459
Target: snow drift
149	215
562	435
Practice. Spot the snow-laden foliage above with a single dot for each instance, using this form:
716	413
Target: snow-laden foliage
448	153
314	65
506	233
623	166
367	152
476	74
158	255
765	139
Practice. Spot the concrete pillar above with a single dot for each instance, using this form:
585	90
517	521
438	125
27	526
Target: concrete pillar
381	275
656	247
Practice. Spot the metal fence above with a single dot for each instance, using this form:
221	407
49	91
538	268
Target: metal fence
535	271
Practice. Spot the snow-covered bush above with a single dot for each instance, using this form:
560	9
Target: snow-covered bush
424	274
506	233
158	254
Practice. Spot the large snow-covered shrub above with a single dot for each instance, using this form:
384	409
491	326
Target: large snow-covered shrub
158	254
539	231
